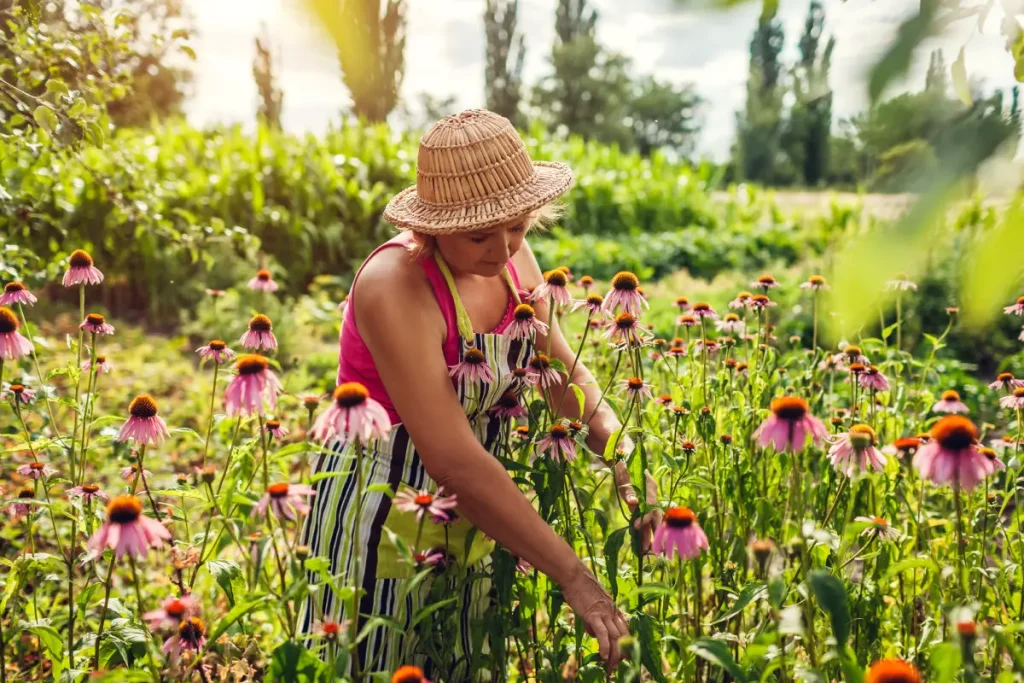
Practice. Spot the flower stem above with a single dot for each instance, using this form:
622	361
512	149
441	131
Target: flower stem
209	426
103	613
575	361
608	386
78	381
356	556
39	372
960	538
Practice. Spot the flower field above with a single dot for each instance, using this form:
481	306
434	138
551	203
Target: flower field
831	510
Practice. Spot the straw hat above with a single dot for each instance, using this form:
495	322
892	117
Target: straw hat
474	171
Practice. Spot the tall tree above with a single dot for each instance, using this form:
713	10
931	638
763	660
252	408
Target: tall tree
759	125
810	121
371	49
506	51
936	79
271	96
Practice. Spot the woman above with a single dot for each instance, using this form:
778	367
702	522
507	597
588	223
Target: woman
423	305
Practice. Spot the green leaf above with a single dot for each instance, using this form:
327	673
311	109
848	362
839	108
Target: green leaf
46	119
988	281
557	364
650	649
852	671
832	597
381	488
51	640
229	577
581	400
911	563
717	652
944	659
958	72
1007	644
292	662
612	544
189	51
749	593
57	86
896	60
239	611
427	611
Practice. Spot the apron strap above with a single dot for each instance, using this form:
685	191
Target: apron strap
461	316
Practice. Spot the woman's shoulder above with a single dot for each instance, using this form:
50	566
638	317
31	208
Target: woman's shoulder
390	273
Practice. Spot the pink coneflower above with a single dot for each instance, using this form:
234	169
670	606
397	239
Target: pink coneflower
423	502
872	378
731	323
262	282
1016	309
1021	337
742	369
765	282
664	400
129	473
216	293
712	346
12	344
1003	444
103	366
16	293
554	288
81	271
789	425
127	530
851	354
636	388
547	376
259	335
88	492
36	470
676	351
586	282
679	534
275	429
815	283
905	447
285	500
854	451
472	368
408	674
594	303
951	456
626	331
559	442
97	324
878	528
625	294
687	320
191	636
521	379
703	310
331	630
143	426
21	507
353	416
19	394
523	567
759	302
831	363
522	432
217	351
950	403
524	323
902	283
1006	381
252	384
742	300
993	458
447	517
508	407
172	612
428	558
1014	400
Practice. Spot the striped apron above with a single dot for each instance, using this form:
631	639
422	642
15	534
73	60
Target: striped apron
383	575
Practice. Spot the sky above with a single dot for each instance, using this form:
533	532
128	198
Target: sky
667	38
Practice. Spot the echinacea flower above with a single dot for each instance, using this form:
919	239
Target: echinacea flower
428	558
559	443
217	351
19	394
472	368
993	458
353	416
1003	444
950	403
422	502
522	432
129	473
262	282
764	282
143	426
625	330
253	384
553	287
699	346
742	300
892	671
815	283
878	528
521	379
679	534
664	400
12	344
16	293
675	351
594	303
524	323
275	429
703	310
331	630
540	365
687	320
906	446
636	388
88	492
172	612
901	283
683	304
731	323
1016	309
952	455
81	271
260	334
36	470
97	324
103	366
872	378
1006	381
789	425
408	674
128	531
854	451
586	282
851	354
1015	400
20	507
625	294
523	567
285	500
508	407
215	293
191	636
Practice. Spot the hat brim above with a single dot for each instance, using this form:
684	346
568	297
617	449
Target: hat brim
408	212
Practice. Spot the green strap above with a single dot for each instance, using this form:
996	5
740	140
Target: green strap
461	316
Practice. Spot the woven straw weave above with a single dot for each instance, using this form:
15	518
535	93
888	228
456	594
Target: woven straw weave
473	172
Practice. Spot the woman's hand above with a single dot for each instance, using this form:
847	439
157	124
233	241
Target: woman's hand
649	523
602	618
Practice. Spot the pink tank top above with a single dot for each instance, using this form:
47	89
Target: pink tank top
355	364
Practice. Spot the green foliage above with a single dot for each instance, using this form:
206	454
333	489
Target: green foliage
506	54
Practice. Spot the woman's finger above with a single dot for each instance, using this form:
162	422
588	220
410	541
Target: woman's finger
601	633
651	488
624	485
614	633
623	623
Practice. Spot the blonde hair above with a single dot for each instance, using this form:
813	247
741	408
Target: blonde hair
423	244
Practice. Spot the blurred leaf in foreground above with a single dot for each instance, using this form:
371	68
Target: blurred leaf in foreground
897	57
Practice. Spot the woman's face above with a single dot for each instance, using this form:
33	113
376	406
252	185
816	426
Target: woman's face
484	251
